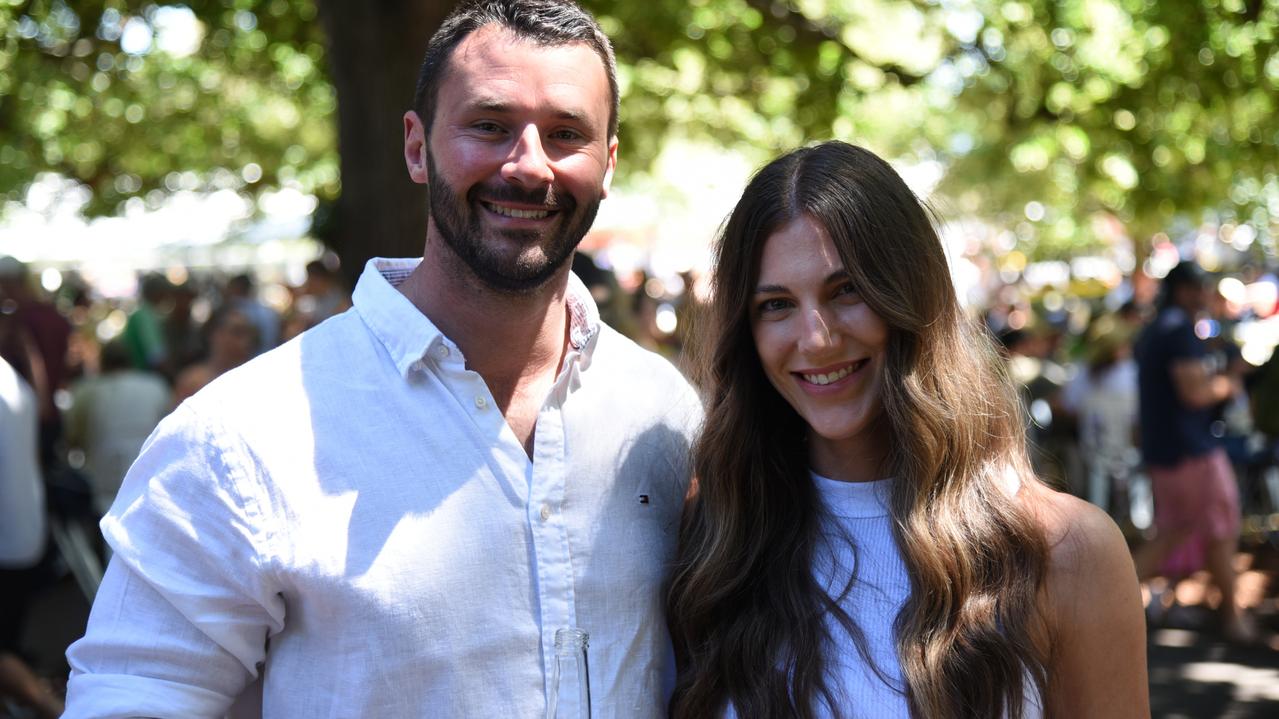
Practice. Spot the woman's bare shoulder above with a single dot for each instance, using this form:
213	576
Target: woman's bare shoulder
1090	569
1092	602
1080	536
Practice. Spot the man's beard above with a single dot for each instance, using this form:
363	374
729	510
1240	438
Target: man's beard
460	225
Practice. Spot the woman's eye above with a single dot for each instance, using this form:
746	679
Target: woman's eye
846	289
773	305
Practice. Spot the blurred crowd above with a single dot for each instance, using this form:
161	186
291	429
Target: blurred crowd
94	375
1078	375
90	377
105	370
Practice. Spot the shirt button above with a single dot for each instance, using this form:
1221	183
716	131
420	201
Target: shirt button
442	351
546	512
481	403
416	366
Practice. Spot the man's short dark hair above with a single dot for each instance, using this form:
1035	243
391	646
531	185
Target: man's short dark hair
545	22
242	282
1186	273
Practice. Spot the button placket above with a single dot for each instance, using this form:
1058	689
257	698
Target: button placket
550	533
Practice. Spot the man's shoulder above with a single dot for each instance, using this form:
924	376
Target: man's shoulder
322	358
618	353
1165	330
644	385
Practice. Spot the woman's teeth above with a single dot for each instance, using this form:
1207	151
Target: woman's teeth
830	377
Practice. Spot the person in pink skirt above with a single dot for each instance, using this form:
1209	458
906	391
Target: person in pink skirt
1196	499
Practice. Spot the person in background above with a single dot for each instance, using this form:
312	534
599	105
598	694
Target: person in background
1039	380
239	292
233	340
39	324
23	534
1197	515
183	336
867	537
393	515
144	330
1102	397
110	416
322	295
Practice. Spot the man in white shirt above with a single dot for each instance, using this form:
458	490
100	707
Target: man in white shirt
393	514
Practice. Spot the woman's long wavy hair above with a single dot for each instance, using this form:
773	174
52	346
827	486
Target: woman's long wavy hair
747	615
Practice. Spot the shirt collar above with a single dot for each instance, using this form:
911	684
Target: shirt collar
583	315
409	335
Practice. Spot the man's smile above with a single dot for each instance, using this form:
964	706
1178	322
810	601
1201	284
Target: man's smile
518	213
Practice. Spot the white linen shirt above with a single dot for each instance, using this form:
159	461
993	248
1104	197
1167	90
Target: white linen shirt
356	501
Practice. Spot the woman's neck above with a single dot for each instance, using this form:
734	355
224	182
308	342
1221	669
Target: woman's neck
855	459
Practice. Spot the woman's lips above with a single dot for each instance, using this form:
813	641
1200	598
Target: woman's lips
831	375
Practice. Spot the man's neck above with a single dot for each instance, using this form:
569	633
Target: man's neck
514	341
1190	308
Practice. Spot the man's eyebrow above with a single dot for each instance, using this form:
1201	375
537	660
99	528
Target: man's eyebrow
576	116
502	108
488	105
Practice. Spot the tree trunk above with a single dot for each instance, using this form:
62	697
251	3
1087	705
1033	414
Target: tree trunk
374	50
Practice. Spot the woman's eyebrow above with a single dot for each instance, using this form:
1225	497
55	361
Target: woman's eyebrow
836	275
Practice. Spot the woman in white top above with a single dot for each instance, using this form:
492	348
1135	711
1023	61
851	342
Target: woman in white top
866	538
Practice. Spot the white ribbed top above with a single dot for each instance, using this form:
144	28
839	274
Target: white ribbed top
859	543
858	511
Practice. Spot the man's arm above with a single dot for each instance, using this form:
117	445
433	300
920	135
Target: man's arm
1196	388
140	657
180	623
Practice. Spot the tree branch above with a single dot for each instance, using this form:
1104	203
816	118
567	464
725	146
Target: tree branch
814	32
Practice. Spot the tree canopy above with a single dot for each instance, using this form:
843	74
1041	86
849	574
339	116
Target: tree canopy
1043	113
137	100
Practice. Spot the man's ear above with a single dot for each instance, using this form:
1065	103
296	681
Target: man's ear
415	147
611	166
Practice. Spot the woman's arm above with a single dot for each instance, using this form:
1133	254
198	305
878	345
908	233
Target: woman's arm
1092	601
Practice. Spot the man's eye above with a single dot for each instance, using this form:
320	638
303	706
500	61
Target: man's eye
489	127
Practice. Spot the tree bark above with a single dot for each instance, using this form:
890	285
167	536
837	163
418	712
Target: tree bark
374	50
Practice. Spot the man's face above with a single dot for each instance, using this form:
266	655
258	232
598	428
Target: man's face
1194	296
519	156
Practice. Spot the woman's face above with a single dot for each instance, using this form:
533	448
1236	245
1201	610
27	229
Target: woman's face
821	346
234	340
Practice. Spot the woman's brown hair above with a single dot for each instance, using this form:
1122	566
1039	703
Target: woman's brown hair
749	621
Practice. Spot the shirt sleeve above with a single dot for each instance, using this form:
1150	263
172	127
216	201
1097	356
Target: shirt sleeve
180	624
1184	344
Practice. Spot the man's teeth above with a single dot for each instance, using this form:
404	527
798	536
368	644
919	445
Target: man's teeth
518	214
828	378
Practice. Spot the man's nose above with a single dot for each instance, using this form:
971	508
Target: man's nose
527	163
